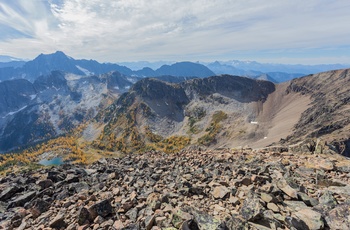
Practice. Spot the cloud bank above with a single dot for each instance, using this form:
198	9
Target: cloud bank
131	30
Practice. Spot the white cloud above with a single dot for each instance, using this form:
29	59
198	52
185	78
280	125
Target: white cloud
163	29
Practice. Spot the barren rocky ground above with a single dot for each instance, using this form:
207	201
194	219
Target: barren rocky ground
192	189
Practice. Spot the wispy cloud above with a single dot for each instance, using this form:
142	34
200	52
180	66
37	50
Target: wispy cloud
172	29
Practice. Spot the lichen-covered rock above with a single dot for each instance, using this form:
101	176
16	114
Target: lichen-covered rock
252	209
203	220
339	217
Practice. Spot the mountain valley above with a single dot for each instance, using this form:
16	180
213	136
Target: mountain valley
173	148
135	113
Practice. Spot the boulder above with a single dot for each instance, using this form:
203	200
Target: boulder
284	186
45	184
132	214
39	206
83	216
202	220
149	221
252	209
21	200
220	192
311	218
339	217
9	192
58	222
102	208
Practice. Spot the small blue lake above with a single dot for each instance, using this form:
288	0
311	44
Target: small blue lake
53	161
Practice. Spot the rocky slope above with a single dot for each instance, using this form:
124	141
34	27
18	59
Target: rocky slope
192	189
231	111
198	109
328	115
53	105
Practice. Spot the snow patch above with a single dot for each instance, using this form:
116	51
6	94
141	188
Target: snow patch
32	97
254	122
72	77
132	80
11	113
85	71
127	87
116	87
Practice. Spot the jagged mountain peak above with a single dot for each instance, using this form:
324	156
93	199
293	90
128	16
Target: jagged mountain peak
45	63
57	56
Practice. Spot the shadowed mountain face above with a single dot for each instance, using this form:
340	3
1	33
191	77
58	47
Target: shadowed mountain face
239	88
15	95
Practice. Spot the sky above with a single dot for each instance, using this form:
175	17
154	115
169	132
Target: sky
274	31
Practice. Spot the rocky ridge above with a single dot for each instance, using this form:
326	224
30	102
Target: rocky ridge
203	110
328	113
251	112
191	189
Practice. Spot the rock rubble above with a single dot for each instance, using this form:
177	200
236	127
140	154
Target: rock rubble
192	189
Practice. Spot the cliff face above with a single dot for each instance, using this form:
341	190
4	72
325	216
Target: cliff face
241	89
14	95
231	111
328	115
209	111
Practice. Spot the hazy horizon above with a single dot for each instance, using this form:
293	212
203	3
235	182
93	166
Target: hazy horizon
286	32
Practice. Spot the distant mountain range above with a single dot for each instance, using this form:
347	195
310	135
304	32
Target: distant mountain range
14	68
46	63
286	68
272	72
4	58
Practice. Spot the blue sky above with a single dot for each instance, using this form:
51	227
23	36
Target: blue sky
288	31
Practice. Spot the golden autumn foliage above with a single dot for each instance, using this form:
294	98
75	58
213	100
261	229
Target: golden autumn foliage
213	129
64	146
